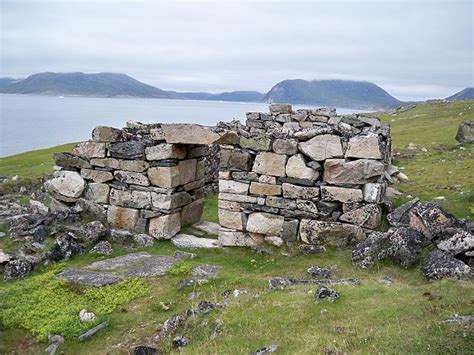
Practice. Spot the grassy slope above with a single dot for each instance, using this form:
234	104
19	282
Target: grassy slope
371	317
446	168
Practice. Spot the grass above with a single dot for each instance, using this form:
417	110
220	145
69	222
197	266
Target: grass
32	164
446	168
372	317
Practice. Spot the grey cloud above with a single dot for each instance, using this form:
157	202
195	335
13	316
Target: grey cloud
414	49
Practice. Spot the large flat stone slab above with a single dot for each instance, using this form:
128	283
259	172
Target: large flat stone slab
190	241
153	266
89	278
119	262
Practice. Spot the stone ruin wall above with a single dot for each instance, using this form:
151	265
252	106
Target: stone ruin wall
284	176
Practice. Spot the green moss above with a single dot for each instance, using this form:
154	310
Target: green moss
182	268
44	305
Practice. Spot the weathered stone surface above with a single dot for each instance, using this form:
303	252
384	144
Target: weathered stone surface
439	265
131	199
341	194
368	216
137	166
17	269
103	248
229	205
97	175
184	133
69	161
98	193
276	241
165	151
64	247
289	230
122	218
374	193
190	241
465	132
130	177
208	227
279	202
265	189
265	223
329	233
431	220
361	171
259	142
164	176
270	164
143	240
205	271
187	171
324	111
89	278
119	262
461	242
237	198
285	146
401	215
66	186
267	179
165	227
299	192
169	202
229	237
233	187
127	150
402	245
307	206
230	219
108	134
89	150
296	167
325	293
120	236
322	147
367	147
111	163
157	134
280	108
234	159
192	212
91	332
155	265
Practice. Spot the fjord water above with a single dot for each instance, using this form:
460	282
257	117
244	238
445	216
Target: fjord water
33	122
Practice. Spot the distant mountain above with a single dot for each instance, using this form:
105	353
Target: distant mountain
336	93
236	96
466	94
7	81
101	85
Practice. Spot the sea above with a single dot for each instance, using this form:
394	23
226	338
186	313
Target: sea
30	122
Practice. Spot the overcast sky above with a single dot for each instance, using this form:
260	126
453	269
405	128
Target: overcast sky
413	49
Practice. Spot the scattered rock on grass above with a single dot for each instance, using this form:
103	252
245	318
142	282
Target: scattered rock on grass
143	240
323	272
217	326
179	342
191	241
439	264
178	254
145	350
324	292
457	319
86	316
103	247
309	249
93	331
266	350
64	247
205	307
54	342
17	269
205	271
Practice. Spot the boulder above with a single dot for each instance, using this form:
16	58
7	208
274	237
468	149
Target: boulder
89	150
97	176
361	171
368	216
296	167
439	265
91	232
285	146
165	227
165	151
340	194
17	269
323	272
66	186
465	132
259	188
431	220
366	146
103	248
183	133
64	247
402	245
270	164
164	176
322	147
127	150
191	241
265	223
122	218
460	243
329	233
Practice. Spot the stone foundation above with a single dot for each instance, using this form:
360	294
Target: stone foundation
284	176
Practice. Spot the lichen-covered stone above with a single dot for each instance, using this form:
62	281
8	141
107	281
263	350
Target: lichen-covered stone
133	178
439	265
329	233
285	146
340	194
98	193
165	227
299	192
89	150
97	175
66	186
131	199
127	150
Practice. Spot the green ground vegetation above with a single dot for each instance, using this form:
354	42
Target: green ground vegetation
372	317
439	166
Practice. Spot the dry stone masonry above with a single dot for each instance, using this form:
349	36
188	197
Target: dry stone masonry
285	176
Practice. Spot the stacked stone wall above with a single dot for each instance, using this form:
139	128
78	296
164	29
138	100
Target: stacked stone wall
304	175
